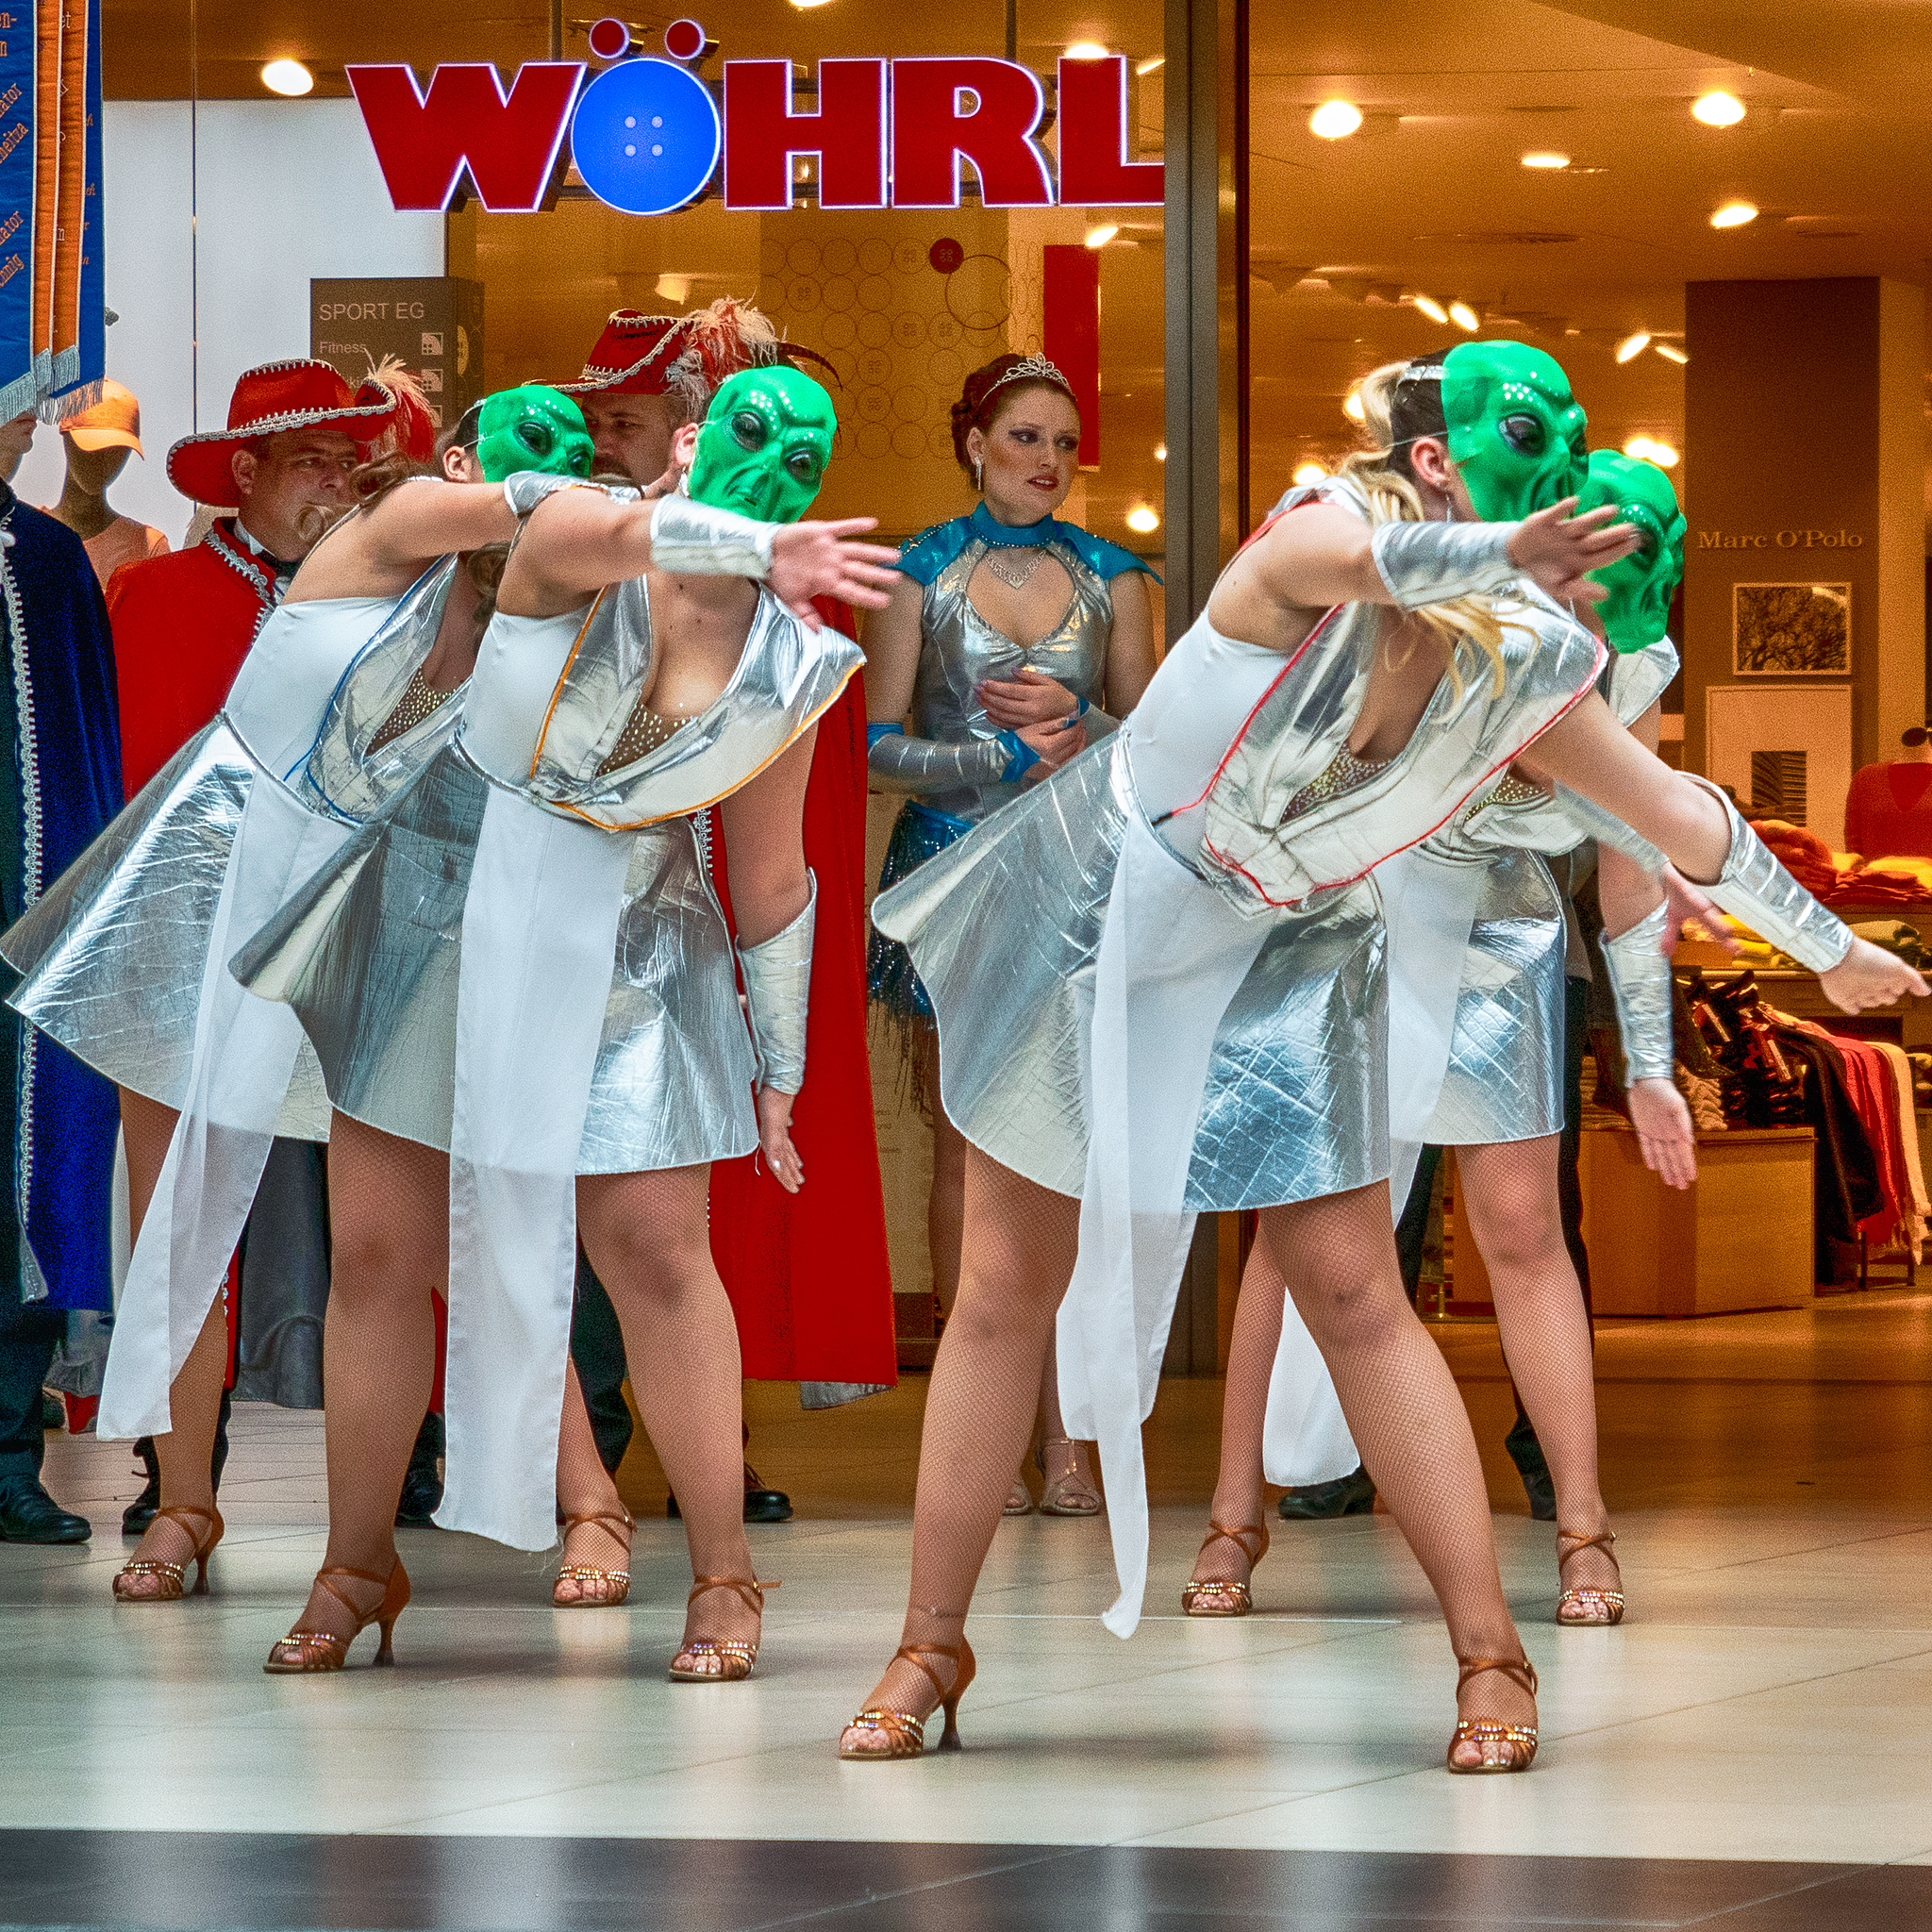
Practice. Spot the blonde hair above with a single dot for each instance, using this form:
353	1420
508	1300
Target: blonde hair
1392	498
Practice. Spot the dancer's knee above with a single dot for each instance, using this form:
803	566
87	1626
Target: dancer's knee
1352	1309
384	1263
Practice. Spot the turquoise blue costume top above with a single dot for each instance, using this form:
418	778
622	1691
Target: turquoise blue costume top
959	765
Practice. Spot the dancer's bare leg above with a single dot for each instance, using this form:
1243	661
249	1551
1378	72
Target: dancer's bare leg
1510	1195
585	1488
389	1222
1337	1255
1018	1259
194	1398
648	1237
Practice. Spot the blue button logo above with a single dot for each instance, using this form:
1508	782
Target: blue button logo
646	136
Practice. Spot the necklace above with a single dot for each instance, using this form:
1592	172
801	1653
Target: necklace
1014	566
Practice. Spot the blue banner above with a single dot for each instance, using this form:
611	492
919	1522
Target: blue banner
17	151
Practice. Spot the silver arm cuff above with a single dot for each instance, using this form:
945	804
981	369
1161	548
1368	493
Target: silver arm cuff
1430	563
778	976
900	763
1754	886
703	541
1641	984
1606	828
526	489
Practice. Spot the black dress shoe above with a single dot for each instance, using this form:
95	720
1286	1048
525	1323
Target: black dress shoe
145	1506
1347	1495
760	1504
422	1484
30	1515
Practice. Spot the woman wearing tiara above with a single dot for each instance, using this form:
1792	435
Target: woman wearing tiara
1015	641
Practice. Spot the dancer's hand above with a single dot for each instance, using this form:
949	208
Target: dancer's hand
821	561
666	485
1030	697
1683	901
1054	742
1867	976
1662	1119
1556	550
775	1137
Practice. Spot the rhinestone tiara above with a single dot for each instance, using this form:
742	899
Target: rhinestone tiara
1032	369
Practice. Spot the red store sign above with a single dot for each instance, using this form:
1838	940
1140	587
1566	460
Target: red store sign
647	136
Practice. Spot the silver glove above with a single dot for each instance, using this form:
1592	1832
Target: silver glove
1431	563
1754	886
1640	974
703	541
777	979
928	764
1606	828
526	489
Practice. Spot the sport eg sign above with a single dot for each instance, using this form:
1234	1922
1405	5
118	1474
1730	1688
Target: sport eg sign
647	135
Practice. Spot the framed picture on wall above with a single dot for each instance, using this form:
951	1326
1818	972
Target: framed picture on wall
1791	630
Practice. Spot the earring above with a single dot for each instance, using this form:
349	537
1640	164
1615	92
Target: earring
978	476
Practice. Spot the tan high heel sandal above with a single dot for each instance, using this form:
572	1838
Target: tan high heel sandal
736	1659
615	1584
173	1576
1069	1494
1225	1599
904	1733
302	1652
1520	1738
1583	1607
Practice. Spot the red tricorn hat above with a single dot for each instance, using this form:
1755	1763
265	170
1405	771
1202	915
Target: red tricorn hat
275	397
633	357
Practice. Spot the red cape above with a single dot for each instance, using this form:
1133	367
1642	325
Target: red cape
182	626
806	1272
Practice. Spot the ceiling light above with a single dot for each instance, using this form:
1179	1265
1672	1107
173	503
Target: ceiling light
1542	157
674	288
1310	473
1633	346
1430	308
1085	50
1646	449
1463	316
1100	236
1718	110
1671	353
1352	407
287	78
1153	66
1160	452
1333	118
1733	214
1142	521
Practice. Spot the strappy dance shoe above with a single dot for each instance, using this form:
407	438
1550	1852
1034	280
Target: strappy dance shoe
1070	1493
1520	1738
1584	1608
1225	1599
904	1733
302	1652
1019	1499
597	1588
736	1658
171	1578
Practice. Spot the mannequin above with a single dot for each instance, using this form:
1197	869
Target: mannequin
98	443
1889	809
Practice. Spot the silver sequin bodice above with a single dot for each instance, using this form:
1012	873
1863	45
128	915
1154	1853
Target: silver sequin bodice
959	649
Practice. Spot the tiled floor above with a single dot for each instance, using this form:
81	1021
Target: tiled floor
1750	1741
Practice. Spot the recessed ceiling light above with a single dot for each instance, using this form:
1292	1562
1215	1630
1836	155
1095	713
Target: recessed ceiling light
1543	157
674	288
1160	452
1718	110
1647	449
287	78
1431	307
1086	50
1733	214
1310	473
1464	317
1633	346
1142	521
1099	236
1153	66
1671	353
1334	119
1352	407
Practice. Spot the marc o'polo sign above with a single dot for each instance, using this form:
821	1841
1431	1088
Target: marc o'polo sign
648	136
1780	539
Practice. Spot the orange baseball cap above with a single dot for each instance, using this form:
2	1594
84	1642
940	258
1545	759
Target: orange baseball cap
113	422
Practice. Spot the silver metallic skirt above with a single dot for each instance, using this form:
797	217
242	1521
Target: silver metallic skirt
114	952
1504	1077
1005	928
369	957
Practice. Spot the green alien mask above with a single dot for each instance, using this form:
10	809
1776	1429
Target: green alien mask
1641	586
764	445
1515	431
532	429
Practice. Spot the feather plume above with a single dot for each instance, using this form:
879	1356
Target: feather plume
412	431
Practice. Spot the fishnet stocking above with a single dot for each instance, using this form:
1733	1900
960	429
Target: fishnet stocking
1508	1195
584	1488
648	1237
1018	1259
945	1201
194	1398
